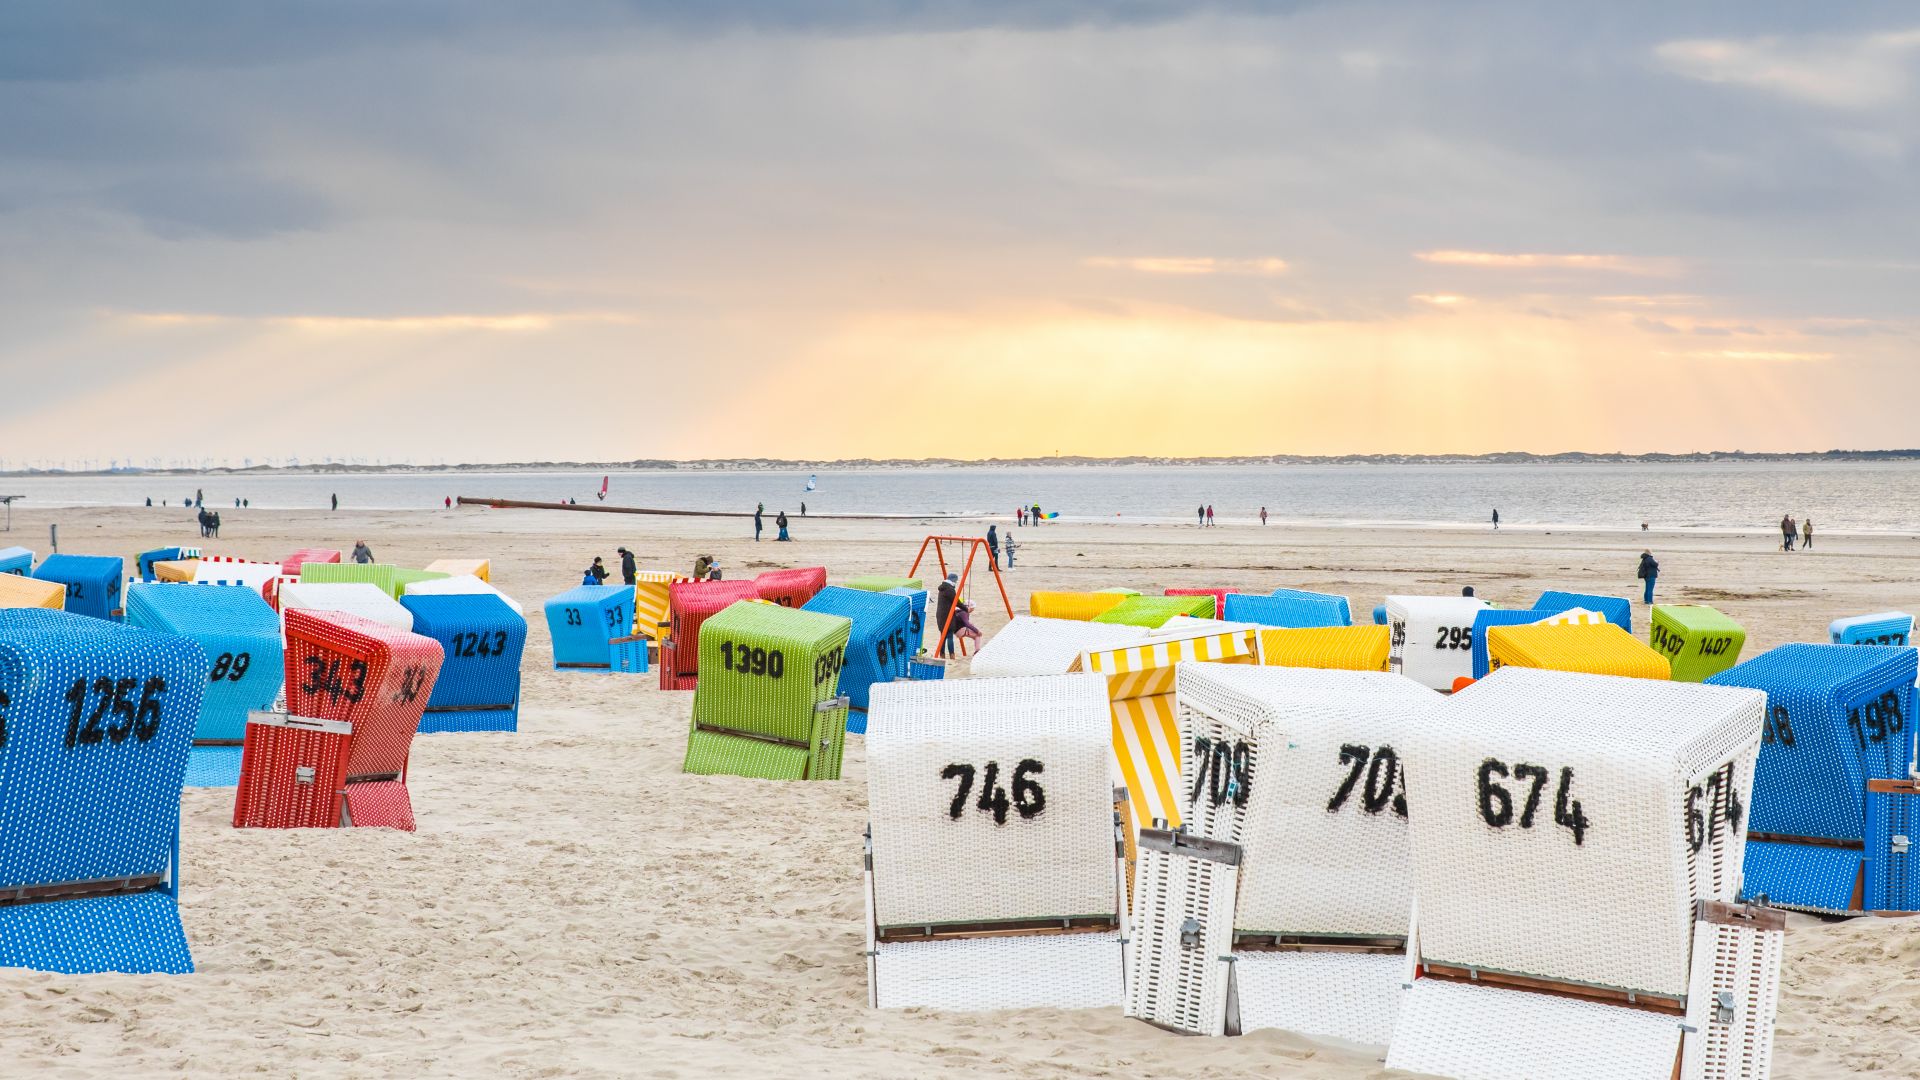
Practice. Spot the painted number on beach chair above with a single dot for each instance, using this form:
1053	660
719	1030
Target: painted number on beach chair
469	644
75	592
1222	771
1455	637
1386	784
231	667
828	664
616	617
894	646
753	660
1715	646
1496	802
1777	727
573	617
141	720
1704	825
324	677
412	681
1029	800
1877	719
1669	642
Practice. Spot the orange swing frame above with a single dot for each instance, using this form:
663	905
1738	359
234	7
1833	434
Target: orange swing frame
973	546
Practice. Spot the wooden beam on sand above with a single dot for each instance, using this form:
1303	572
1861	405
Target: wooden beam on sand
601	508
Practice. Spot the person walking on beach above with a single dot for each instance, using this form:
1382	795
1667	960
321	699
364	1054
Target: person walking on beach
1209	515
1806	534
993	547
1009	551
1786	532
759	509
780	522
1496	519
449	502
1201	516
700	567
1034	516
803	509
1263	515
1020	515
336	501
628	573
1649	570
943	612
216	524
362	554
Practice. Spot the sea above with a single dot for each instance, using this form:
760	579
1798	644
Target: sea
1729	496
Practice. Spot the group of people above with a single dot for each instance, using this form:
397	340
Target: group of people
1789	530
1028	515
779	522
629	571
209	523
994	541
953	613
1206	516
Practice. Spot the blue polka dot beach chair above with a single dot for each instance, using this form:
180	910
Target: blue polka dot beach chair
767	702
96	720
479	684
994	875
240	636
92	582
1834	802
1577	851
881	645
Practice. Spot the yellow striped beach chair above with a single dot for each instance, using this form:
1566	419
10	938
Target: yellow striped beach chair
652	609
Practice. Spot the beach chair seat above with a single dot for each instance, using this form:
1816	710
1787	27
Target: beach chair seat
881	583
1298	612
359	598
460	585
652	602
1617	610
1219	600
356	689
1080	606
1883	628
1345	606
98	720
292	563
1595	648
1432	638
176	571
1697	641
1034	646
18	591
767	702
481	639
480	568
693	603
245	662
1153	611
880	646
791	588
993	879
92	583
1346	648
17	561
583	621
1578	840
1831	794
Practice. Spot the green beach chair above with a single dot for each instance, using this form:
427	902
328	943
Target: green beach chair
379	575
1697	640
767	704
880	583
403	577
1154	611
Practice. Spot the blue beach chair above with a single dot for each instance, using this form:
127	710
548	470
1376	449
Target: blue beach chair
92	581
583	623
144	562
916	628
1346	608
1832	800
479	684
1491	617
878	650
1885	628
99	720
1297	611
1618	610
16	560
245	664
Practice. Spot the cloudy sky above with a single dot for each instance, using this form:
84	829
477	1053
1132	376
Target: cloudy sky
480	230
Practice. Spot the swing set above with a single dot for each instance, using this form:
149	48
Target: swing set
971	547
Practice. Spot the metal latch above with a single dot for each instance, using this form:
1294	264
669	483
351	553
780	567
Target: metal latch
1190	934
303	774
1900	845
1723	1007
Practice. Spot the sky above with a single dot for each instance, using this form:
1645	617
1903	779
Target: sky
482	230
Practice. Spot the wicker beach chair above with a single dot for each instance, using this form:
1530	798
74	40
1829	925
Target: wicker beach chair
360	598
767	703
1595	648
404	577
880	647
916	631
1833	799
1180	953
1433	638
98	721
993	879
1345	648
1488	618
291	564
250	575
1346	607
1154	611
692	603
243	669
92	582
17	561
143	563
1219	600
1883	628
482	640
881	583
480	568
1296	612
791	588
1030	646
379	575
653	604
17	591
1300	769
176	571
460	585
356	689
583	621
1080	606
1697	641
1618	610
1578	845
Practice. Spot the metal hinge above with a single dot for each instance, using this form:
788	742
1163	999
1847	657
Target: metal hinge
1899	845
303	774
1723	1007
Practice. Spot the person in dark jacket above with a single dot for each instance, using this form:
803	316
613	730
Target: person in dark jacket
943	612
361	552
759	509
701	566
598	571
1649	570
993	547
780	523
628	572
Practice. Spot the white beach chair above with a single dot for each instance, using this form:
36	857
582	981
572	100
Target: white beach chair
354	598
1432	638
1035	646
993	858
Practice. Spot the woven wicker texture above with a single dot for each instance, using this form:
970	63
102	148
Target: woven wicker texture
1336	995
1145	733
143	563
582	620
1837	716
1347	648
179	571
292	563
1484	1033
251	575
403	577
880	647
16	560
1884	628
764	669
1120	591
1154	611
1598	649
1893	873
1486	619
1432	638
1697	641
916	624
482	640
1030	646
1572	616
354	598
240	636
379	575
991	800
791	588
1302	769
652	603
1079	606
1289	611
97	797
213	766
293	774
881	583
92	582
1805	877
460	585
1346	607
1743	964
25	592
692	603
1061	971
1219	599
480	568
1564	824
1618	610
1179	962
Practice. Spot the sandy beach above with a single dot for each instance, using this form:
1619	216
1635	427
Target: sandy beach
572	905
